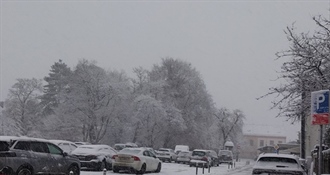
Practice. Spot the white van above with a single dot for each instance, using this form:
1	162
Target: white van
179	148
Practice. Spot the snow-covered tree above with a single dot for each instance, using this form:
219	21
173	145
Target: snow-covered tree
22	105
229	125
93	96
184	90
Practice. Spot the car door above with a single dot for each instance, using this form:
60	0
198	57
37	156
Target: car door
154	160
148	160
40	152
57	159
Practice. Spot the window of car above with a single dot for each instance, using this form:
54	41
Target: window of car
165	150
53	149
22	145
277	159
198	153
38	147
4	146
151	154
146	153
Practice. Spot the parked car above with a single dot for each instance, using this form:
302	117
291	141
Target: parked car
138	160
225	156
65	145
82	143
95	157
200	158
214	158
272	163
184	157
120	146
166	155
26	155
179	148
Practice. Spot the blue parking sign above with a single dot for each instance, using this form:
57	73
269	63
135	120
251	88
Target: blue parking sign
320	107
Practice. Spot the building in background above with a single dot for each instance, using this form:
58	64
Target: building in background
253	142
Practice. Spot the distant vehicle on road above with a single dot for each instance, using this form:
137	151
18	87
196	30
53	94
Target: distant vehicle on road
166	154
200	158
184	157
225	156
179	148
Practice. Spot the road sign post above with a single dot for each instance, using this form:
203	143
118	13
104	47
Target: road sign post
320	116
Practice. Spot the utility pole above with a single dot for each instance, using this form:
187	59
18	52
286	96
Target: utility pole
303	124
2	125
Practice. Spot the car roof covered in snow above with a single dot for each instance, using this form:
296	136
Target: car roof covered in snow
278	155
11	138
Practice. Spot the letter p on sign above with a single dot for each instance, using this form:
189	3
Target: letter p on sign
320	107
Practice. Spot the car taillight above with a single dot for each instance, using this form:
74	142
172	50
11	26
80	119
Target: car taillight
204	158
114	156
136	158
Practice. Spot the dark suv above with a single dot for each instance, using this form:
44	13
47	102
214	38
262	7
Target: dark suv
25	155
214	158
225	156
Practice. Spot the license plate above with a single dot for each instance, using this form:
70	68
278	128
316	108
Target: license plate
124	158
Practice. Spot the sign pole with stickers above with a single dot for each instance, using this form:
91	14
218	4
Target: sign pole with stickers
320	116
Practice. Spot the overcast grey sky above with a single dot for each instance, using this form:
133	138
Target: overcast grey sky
231	43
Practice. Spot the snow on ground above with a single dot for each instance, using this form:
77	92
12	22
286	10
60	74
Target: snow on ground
241	168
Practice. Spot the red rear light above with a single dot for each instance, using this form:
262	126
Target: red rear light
136	158
114	156
204	158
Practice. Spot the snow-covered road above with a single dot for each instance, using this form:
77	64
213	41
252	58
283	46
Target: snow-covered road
241	168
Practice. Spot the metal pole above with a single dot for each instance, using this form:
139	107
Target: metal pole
320	151
303	124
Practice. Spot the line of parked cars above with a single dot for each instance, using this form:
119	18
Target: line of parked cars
197	157
27	156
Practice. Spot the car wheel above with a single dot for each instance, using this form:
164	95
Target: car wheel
159	167
102	166
75	170
24	171
143	169
115	170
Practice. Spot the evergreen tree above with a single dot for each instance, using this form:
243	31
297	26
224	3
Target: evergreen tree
56	83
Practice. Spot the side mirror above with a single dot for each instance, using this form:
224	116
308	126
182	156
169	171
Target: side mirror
65	154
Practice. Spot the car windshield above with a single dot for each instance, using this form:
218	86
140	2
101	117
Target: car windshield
225	153
198	153
119	147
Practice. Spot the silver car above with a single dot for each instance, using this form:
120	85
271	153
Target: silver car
25	155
